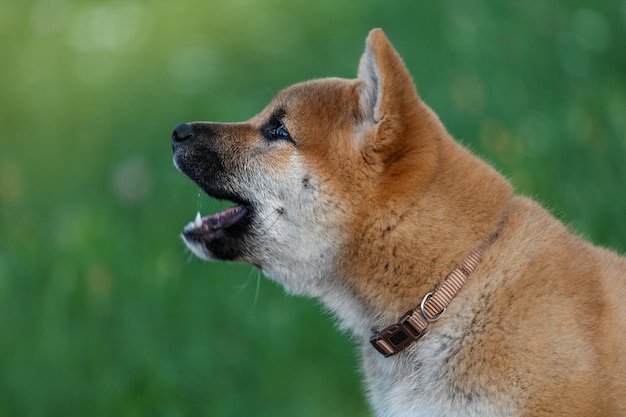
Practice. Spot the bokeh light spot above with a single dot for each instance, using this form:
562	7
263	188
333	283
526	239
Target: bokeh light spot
49	16
99	281
468	94
132	180
496	137
113	26
11	182
192	68
574	59
591	29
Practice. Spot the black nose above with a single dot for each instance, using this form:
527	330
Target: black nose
182	133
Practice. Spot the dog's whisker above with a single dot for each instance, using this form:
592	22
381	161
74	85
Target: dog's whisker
257	290
253	275
279	213
189	255
199	201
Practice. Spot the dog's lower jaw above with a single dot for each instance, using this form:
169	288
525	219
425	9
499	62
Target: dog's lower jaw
197	248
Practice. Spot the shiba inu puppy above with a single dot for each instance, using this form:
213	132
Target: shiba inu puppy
468	300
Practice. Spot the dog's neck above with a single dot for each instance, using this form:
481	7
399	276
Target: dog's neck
402	252
413	325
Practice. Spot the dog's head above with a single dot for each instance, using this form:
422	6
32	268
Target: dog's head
306	173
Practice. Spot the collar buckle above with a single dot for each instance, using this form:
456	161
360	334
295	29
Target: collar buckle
397	337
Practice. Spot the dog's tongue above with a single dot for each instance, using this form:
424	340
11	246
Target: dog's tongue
217	221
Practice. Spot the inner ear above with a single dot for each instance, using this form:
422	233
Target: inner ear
387	85
369	98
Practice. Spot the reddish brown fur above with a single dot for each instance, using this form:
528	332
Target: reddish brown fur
539	329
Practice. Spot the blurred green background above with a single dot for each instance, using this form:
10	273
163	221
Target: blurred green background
102	310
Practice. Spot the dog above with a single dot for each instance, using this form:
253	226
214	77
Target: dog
466	299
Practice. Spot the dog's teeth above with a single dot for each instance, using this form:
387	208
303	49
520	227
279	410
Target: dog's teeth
196	223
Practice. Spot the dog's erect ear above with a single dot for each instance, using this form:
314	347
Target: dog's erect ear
387	85
398	126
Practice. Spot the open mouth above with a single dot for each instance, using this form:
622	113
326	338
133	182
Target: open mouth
205	227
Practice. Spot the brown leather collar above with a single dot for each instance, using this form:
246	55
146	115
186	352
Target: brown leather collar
414	323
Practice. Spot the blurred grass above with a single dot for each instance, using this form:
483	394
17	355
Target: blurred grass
103	312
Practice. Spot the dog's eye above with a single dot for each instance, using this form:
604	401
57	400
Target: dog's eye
281	132
277	132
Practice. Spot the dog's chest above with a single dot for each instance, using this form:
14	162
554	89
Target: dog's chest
418	383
